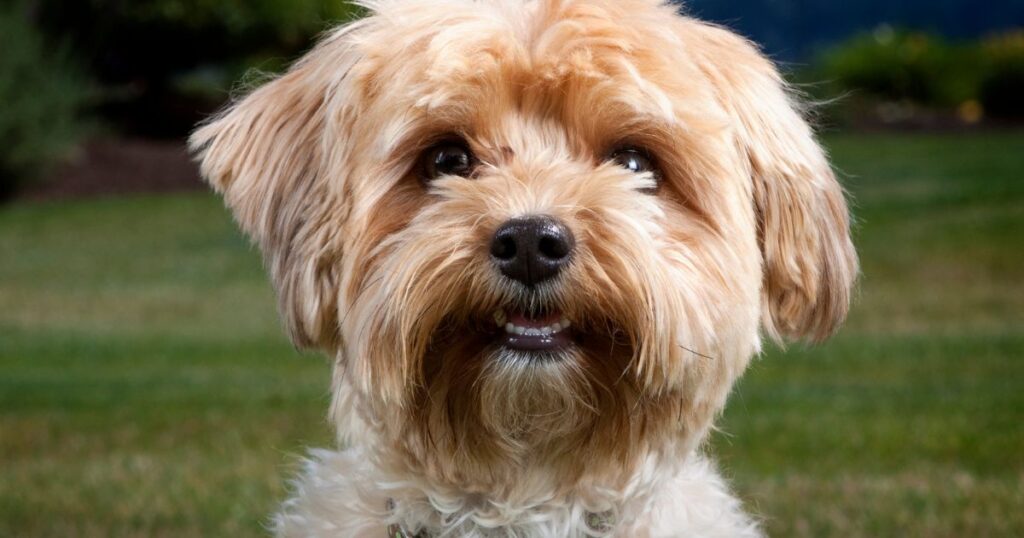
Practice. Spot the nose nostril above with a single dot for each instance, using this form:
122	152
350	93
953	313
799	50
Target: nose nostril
553	247
504	248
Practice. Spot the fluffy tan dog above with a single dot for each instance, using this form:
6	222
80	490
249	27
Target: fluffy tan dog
540	240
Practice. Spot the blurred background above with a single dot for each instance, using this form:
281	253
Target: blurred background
146	388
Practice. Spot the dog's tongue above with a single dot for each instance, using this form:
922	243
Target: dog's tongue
522	319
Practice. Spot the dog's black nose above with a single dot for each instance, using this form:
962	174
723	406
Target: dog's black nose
532	249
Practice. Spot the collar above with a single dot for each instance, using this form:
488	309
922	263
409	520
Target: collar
597	522
397	531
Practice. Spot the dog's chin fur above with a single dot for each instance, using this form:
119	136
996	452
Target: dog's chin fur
742	230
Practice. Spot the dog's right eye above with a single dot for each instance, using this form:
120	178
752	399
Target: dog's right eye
449	158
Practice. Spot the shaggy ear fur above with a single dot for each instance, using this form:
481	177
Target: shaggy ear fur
265	155
809	260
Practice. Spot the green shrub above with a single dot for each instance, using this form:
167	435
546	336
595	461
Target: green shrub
1001	89
163	65
277	20
42	96
902	66
974	80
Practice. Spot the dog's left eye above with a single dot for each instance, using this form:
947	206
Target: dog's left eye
448	158
635	160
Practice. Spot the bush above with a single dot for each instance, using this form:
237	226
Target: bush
42	95
165	64
899	76
1001	89
902	66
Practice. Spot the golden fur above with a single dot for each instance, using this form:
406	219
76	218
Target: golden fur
748	230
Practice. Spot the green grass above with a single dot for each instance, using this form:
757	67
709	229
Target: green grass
911	421
146	388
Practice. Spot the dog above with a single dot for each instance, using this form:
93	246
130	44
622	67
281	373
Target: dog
540	240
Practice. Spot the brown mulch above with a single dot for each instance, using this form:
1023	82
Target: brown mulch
120	166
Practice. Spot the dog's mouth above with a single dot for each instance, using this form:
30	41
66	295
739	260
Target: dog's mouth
526	331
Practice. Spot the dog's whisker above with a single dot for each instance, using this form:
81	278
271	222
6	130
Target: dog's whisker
696	353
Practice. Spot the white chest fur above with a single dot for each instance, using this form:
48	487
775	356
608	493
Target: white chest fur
340	495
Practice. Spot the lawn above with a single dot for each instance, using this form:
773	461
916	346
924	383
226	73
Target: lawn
146	388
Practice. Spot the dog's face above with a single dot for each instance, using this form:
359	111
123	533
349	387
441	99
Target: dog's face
534	234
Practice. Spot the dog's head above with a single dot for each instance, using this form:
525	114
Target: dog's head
545	231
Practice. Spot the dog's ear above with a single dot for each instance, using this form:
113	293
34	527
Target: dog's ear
809	262
265	155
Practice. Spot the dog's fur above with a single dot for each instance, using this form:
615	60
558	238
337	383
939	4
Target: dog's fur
743	231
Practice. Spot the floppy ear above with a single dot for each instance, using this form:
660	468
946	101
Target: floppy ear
809	261
265	155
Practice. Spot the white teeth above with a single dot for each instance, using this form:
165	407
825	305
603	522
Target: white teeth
547	330
499	317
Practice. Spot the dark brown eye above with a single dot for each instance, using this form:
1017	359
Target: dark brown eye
635	160
448	158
